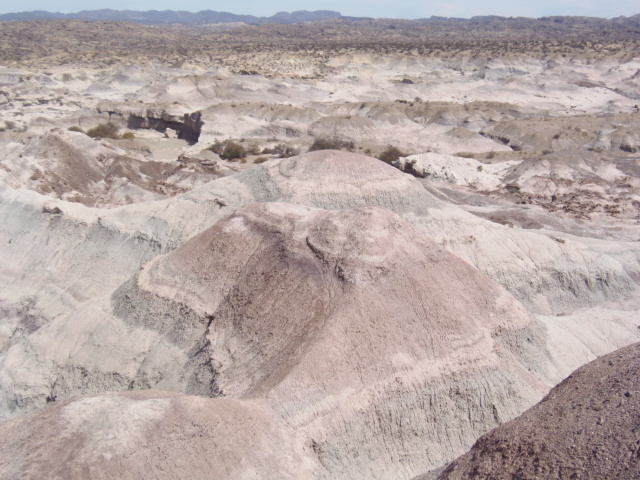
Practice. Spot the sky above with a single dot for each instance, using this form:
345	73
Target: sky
360	8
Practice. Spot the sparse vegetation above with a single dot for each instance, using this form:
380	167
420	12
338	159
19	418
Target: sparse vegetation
286	151
282	151
228	149
217	147
331	144
128	136
75	129
233	150
236	49
391	154
253	149
104	130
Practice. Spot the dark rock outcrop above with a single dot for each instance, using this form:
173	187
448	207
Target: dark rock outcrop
187	126
588	427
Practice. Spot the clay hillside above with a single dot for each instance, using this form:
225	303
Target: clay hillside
344	248
587	427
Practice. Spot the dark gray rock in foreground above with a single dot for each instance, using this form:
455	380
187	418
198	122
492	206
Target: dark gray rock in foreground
588	427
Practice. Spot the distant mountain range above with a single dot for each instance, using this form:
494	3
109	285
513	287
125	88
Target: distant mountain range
166	17
205	17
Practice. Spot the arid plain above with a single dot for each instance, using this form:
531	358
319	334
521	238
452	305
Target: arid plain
335	249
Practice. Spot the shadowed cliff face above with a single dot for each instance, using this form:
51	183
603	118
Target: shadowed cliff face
188	129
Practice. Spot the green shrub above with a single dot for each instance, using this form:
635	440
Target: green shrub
104	130
229	150
282	151
285	151
331	144
75	129
391	154
253	149
233	150
217	147
128	136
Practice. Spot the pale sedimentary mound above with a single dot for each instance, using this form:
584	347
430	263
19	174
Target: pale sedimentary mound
586	427
547	275
333	180
383	351
357	329
297	270
353	328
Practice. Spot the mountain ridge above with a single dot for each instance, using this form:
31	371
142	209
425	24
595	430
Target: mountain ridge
205	17
167	17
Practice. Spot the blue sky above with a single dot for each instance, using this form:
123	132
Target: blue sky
367	8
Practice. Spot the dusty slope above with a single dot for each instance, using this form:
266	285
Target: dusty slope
368	389
586	427
150	434
548	275
308	382
58	255
343	321
77	168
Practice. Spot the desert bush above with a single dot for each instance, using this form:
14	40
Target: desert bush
282	150
285	151
228	149
233	150
331	144
391	154
75	129
253	149
128	136
261	159
217	147
104	130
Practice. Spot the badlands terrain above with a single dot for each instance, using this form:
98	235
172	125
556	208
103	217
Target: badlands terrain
339	249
